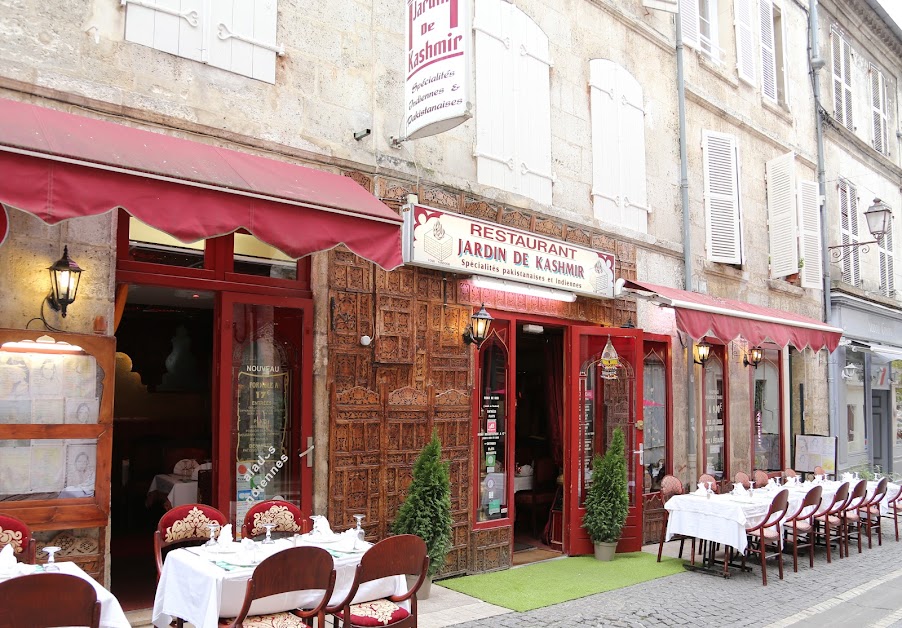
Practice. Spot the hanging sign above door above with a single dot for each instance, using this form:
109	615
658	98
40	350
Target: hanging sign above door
447	241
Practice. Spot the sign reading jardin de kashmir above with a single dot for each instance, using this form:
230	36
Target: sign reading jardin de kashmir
436	88
456	243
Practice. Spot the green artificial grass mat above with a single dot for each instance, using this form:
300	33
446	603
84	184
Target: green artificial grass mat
554	581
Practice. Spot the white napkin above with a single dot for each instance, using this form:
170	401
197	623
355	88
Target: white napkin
847	477
185	467
225	534
702	489
7	560
738	489
526	470
772	483
321	526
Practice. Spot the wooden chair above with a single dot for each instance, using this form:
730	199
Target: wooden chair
286	517
48	599
184	525
850	516
801	524
404	554
540	497
670	486
869	513
768	533
895	502
743	478
819	471
294	569
705	477
829	518
17	533
789	473
760	478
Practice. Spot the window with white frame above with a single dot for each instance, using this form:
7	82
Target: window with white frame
235	35
793	223
842	79
879	137
720	155
887	271
701	23
513	101
848	229
619	194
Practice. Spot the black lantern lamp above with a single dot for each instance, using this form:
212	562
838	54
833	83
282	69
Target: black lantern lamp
702	352
64	277
478	329
753	357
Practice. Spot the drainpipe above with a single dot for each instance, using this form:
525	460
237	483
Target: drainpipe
687	234
816	64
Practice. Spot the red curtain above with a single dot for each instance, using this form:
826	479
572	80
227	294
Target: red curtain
554	395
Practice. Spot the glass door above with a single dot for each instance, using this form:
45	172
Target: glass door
264	431
603	399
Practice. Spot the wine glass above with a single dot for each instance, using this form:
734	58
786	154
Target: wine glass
212	527
51	562
751	487
360	534
268	540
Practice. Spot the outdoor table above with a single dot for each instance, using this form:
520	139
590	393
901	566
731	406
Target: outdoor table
111	614
200	586
179	490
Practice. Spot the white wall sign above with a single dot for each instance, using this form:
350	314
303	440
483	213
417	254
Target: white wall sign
436	89
456	243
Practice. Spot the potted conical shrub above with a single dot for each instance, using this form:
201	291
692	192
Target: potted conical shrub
607	500
426	511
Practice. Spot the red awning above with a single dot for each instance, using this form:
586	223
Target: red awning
57	165
702	315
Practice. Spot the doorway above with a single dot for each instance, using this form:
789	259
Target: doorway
881	447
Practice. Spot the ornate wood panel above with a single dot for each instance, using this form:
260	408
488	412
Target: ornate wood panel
652	517
491	549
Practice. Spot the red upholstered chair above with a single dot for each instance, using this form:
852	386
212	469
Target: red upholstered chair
184	525
670	486
286	517
799	526
17	533
743	478
760	478
768	533
294	569
869	513
850	517
829	518
48	599
404	554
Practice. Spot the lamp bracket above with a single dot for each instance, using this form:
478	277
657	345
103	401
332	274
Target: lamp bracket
839	251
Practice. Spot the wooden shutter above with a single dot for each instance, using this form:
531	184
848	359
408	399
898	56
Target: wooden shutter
745	41
781	215
768	55
842	79
632	143
173	26
887	257
689	22
723	228
878	110
812	270
242	37
848	209
533	109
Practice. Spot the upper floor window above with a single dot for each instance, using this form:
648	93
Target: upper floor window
235	35
887	257
848	228
513	100
618	146
879	136
842	79
723	232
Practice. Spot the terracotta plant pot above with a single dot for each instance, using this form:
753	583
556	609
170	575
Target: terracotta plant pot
605	551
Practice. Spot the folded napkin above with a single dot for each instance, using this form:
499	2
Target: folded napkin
185	467
738	489
526	470
225	535
321	527
7	560
847	477
772	483
702	489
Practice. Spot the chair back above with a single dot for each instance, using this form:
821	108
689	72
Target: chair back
545	478
24	601
859	496
819	470
809	505
840	498
789	473
284	515
776	512
879	494
743	478
670	486
706	477
760	477
17	533
294	569
893	500
184	525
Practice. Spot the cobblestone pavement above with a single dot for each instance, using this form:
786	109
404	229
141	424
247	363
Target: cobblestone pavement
864	590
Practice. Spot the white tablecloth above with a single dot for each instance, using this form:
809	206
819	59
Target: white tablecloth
179	489
194	588
522	482
111	614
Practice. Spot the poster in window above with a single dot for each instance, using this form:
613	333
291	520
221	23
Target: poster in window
46	375
16	411
48	411
15	376
82	411
81	462
47	466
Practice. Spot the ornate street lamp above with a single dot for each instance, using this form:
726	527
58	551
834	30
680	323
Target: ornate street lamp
478	329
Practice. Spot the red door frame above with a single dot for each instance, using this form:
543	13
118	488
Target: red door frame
576	540
662	343
780	426
223	475
718	348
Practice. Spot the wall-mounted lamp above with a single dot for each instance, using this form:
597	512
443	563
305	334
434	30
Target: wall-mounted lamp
702	352
65	275
478	329
610	361
879	217
753	357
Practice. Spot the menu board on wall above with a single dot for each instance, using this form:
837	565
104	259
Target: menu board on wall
815	451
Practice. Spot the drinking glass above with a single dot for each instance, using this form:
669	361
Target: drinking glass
360	534
751	487
51	563
212	527
268	540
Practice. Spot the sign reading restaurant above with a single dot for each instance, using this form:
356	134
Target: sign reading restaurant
437	34
452	242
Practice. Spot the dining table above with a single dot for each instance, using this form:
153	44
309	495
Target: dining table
201	584
179	489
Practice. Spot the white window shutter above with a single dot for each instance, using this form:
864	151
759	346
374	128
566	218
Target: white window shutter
606	136
689	22
810	236
878	110
781	215
534	110
745	41
723	228
242	37
173	26
632	145
848	208
768	56
887	258
842	79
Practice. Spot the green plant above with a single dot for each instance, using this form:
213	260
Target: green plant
426	511
607	501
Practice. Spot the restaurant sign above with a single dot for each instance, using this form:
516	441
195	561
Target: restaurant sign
437	37
447	241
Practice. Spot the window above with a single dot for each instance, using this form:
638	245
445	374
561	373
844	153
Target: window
878	110
618	146
887	272
715	413
700	22
235	35
853	376
655	416
793	221
745	41
848	227
513	99
723	218
146	244
842	79
766	414
492	436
